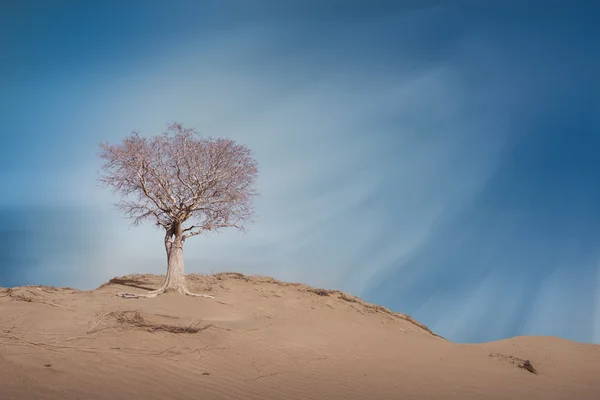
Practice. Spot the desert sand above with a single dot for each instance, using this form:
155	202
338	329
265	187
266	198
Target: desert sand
261	339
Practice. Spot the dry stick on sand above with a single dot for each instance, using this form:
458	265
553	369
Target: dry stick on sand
99	319
51	345
19	297
55	347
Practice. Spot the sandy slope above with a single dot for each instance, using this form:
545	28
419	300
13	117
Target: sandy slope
261	339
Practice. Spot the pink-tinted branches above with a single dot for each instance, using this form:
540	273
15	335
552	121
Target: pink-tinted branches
180	176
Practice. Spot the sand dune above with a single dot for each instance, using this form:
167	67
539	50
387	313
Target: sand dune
261	339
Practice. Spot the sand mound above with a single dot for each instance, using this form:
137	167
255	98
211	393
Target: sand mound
261	339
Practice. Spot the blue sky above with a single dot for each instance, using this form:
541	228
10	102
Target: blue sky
435	157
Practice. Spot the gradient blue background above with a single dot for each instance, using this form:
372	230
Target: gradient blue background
440	158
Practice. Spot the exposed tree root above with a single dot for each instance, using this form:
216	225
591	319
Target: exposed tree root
152	294
125	282
135	319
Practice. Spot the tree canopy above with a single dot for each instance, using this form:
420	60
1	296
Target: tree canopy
179	176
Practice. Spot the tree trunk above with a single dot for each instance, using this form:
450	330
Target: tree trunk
175	273
175	278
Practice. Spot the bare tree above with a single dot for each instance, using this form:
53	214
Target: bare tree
178	177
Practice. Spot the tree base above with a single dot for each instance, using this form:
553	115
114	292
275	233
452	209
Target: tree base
164	289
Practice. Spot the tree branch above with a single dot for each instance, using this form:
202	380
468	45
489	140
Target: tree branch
211	227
